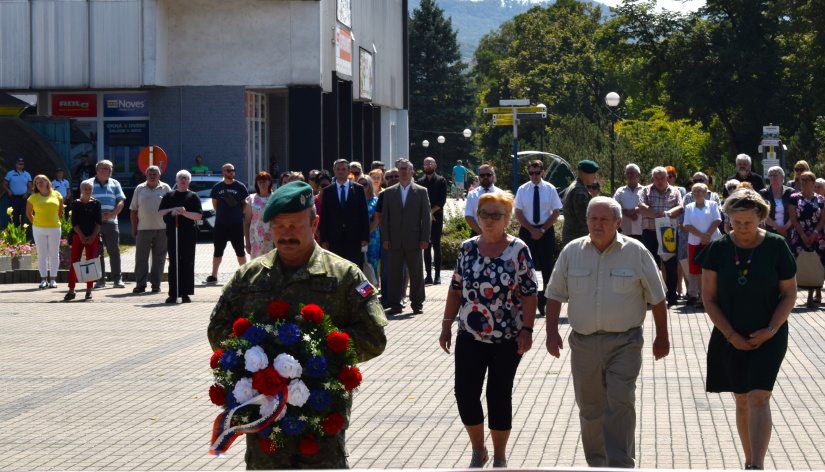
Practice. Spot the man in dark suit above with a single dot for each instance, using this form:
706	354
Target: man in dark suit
405	232
345	221
437	191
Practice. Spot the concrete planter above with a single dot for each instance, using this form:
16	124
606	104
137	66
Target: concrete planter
5	263
21	262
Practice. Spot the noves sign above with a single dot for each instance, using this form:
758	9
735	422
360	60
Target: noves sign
125	104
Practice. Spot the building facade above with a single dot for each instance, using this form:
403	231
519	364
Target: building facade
270	85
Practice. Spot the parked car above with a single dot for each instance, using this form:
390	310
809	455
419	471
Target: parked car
202	185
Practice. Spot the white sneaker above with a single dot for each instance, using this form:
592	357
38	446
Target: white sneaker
43	284
53	284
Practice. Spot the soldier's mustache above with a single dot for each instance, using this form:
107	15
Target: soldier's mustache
288	241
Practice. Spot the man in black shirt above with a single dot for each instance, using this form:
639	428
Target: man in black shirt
744	174
437	191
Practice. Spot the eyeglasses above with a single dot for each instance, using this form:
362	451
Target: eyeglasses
20	163
356	173
107	169
312	179
594	186
698	181
404	169
392	177
799	169
229	170
671	176
485	215
486	174
428	165
535	172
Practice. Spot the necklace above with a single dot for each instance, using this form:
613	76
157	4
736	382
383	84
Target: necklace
743	273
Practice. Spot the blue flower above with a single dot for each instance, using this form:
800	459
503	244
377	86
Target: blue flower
289	334
292	425
255	335
266	431
319	400
317	366
230	359
231	402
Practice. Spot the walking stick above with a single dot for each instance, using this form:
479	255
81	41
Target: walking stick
177	263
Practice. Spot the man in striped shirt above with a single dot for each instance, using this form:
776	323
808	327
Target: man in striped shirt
112	199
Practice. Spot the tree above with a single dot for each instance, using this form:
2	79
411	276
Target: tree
440	97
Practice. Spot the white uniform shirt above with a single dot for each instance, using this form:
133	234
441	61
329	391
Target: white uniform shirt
548	201
61	186
629	199
472	200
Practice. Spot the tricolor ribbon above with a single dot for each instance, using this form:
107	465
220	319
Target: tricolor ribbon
224	434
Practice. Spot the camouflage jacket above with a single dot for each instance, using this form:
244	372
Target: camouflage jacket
574	210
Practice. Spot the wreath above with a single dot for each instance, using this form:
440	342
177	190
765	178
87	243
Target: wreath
286	375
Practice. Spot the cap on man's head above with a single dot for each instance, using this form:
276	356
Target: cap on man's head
58	170
588	167
20	159
292	197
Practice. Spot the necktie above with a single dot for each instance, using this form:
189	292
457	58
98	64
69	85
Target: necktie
536	205
343	197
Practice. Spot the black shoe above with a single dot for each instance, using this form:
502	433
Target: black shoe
691	301
138	289
211	280
541	311
171	300
672	302
428	280
393	311
155	289
437	280
186	299
418	310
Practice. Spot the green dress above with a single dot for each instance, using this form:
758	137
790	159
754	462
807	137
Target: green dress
749	308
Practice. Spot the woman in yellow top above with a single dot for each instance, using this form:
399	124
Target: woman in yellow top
43	209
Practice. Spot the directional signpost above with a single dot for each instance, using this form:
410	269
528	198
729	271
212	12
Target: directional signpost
503	116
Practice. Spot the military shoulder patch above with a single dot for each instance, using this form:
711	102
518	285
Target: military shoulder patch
364	289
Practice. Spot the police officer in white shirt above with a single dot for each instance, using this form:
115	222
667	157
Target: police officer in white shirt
537	208
486	178
62	185
18	184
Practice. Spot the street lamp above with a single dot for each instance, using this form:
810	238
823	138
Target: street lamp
467	133
426	144
441	148
612	100
541	146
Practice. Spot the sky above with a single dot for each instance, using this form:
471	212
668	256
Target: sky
672	5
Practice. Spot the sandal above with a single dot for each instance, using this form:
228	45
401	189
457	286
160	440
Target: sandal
88	295
69	296
499	463
480	457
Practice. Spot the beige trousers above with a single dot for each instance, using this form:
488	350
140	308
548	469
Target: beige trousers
605	368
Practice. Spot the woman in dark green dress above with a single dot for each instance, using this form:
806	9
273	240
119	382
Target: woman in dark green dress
750	290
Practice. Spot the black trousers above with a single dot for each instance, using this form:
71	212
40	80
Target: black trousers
542	251
671	265
499	361
434	255
187	237
18	206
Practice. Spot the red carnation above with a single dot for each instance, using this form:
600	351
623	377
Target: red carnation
240	326
333	423
268	381
312	313
278	309
308	446
350	377
268	445
338	342
216	356
217	394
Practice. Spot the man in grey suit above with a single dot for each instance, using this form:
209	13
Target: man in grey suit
405	233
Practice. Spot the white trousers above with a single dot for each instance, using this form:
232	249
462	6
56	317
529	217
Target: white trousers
47	241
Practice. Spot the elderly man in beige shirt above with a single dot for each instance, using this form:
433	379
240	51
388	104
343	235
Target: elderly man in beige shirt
606	279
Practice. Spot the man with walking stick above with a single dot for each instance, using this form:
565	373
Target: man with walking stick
179	209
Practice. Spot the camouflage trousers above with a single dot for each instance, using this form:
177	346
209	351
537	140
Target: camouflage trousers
331	455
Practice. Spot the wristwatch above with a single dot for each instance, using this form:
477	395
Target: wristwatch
542	230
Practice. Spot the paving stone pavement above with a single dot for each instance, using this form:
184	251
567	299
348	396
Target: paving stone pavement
121	383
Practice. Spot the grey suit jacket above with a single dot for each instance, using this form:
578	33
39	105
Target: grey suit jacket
405	226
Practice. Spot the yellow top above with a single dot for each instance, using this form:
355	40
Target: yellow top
46	209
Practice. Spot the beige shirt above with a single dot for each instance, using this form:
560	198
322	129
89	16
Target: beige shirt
606	291
146	202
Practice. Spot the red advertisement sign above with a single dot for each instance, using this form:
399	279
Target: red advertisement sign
78	105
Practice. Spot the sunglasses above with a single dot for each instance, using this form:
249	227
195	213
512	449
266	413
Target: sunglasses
356	173
486	174
485	215
594	186
698	181
799	169
392	177
229	170
536	173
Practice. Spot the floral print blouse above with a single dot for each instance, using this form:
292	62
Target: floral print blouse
260	238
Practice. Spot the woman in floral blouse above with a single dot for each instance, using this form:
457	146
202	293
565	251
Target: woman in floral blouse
807	221
493	296
258	237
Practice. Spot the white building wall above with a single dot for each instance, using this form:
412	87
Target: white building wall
395	141
15	45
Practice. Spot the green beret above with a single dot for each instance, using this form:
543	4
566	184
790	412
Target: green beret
588	167
289	198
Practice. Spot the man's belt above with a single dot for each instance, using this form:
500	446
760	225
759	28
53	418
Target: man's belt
22	195
602	332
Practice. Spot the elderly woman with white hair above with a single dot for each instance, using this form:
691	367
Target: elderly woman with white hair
778	196
749	291
179	209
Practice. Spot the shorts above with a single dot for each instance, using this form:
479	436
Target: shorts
224	233
695	269
459	184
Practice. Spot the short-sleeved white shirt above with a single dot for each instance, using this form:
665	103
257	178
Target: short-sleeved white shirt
472	200
630	199
701	219
548	201
61	186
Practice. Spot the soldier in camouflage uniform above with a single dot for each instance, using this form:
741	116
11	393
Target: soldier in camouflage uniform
300	271
575	203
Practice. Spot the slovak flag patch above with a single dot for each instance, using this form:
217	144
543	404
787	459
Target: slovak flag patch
365	289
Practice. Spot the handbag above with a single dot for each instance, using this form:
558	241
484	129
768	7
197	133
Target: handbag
666	237
87	270
809	270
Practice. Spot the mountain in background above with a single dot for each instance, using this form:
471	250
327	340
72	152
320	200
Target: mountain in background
475	18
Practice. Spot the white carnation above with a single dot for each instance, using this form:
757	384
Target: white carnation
287	366
298	393
243	391
256	359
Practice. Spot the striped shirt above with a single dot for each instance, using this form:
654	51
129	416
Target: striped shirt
108	194
659	202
